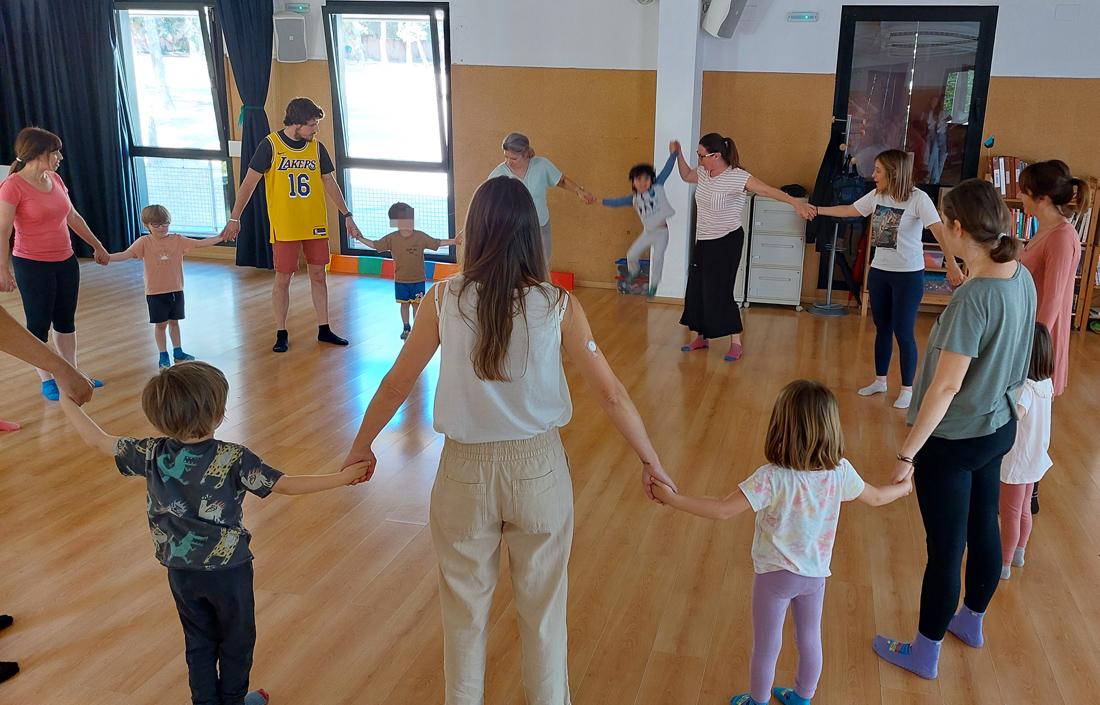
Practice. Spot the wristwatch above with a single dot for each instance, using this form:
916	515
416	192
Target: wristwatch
348	214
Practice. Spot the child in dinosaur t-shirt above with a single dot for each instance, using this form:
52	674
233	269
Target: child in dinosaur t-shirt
196	485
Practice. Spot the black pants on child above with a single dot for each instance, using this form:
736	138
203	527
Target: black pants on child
958	485
218	611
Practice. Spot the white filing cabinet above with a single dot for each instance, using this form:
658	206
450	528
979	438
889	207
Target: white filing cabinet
776	245
742	272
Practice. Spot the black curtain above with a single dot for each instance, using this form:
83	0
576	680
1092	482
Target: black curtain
59	73
249	31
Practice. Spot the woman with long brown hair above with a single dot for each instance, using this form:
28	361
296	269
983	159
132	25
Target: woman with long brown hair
899	214
500	400
34	199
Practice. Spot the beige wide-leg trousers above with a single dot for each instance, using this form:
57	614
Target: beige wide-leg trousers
519	491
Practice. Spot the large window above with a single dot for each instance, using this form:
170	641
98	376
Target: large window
915	78
177	124
390	70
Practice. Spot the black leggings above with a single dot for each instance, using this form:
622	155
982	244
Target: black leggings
958	489
49	291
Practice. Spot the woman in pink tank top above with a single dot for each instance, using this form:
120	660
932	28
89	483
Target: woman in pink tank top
42	264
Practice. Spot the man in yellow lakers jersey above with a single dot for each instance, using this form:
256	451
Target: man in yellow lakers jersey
297	170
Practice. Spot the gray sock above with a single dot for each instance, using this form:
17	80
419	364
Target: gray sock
1006	572
1018	557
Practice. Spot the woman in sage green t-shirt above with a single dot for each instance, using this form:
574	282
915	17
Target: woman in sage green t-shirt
964	421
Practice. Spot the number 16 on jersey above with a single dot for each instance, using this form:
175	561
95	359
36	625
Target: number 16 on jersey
299	185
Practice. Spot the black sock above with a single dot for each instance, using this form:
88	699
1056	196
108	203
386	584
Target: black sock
8	669
325	335
282	343
5	621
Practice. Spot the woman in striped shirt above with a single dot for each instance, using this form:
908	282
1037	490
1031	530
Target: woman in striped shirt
709	305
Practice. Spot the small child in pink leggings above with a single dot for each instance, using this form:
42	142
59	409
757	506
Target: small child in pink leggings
797	498
1028	460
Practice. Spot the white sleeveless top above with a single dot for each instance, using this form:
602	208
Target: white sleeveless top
536	400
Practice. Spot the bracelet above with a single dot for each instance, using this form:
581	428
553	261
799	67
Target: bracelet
234	220
348	214
905	459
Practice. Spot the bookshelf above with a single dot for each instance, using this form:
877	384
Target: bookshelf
1087	285
1088	227
937	290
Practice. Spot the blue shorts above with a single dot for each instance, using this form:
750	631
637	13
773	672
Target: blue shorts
409	293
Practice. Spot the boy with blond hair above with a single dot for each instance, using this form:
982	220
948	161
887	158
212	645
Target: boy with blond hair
163	253
195	486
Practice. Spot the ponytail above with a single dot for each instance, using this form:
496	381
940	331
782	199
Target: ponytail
1007	249
30	144
1083	197
984	217
1053	180
715	143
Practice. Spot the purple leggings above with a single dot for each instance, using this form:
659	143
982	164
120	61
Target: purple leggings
771	594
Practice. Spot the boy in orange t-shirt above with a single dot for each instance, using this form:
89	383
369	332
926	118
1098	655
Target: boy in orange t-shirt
163	254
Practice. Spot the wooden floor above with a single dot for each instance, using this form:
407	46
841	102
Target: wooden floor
659	608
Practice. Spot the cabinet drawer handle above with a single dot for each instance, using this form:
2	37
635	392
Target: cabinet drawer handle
776	279
785	247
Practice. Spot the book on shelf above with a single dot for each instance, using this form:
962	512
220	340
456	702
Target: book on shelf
1081	222
1005	172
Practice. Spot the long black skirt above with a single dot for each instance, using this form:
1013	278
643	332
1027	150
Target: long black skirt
709	305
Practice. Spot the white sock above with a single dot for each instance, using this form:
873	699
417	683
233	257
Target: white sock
874	388
1018	557
903	399
1006	572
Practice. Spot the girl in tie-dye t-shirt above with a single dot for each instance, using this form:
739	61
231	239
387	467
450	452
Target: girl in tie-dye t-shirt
797	498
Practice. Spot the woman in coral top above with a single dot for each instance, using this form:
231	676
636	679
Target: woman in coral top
1052	195
43	265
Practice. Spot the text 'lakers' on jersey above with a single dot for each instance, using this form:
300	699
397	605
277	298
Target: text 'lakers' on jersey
295	197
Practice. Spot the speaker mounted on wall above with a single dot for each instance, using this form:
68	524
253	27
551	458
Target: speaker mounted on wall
720	17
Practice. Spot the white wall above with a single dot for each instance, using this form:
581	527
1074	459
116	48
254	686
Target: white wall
1030	40
591	34
622	34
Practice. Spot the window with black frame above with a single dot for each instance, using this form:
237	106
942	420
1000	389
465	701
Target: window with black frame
390	65
915	78
172	86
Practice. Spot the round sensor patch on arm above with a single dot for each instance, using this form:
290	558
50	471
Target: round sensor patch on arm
591	345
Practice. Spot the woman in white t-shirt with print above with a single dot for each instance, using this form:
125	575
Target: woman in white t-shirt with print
899	214
710	308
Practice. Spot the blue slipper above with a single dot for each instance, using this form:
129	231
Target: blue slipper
50	390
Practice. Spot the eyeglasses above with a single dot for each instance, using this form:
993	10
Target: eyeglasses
159	225
708	154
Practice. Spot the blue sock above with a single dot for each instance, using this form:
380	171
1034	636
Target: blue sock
50	390
180	355
789	697
967	625
921	656
164	361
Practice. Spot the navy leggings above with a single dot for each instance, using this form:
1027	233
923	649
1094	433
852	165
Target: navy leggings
895	297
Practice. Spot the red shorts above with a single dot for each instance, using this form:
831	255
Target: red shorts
286	253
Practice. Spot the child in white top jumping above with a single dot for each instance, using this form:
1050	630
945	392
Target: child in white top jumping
797	498
653	208
1028	460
